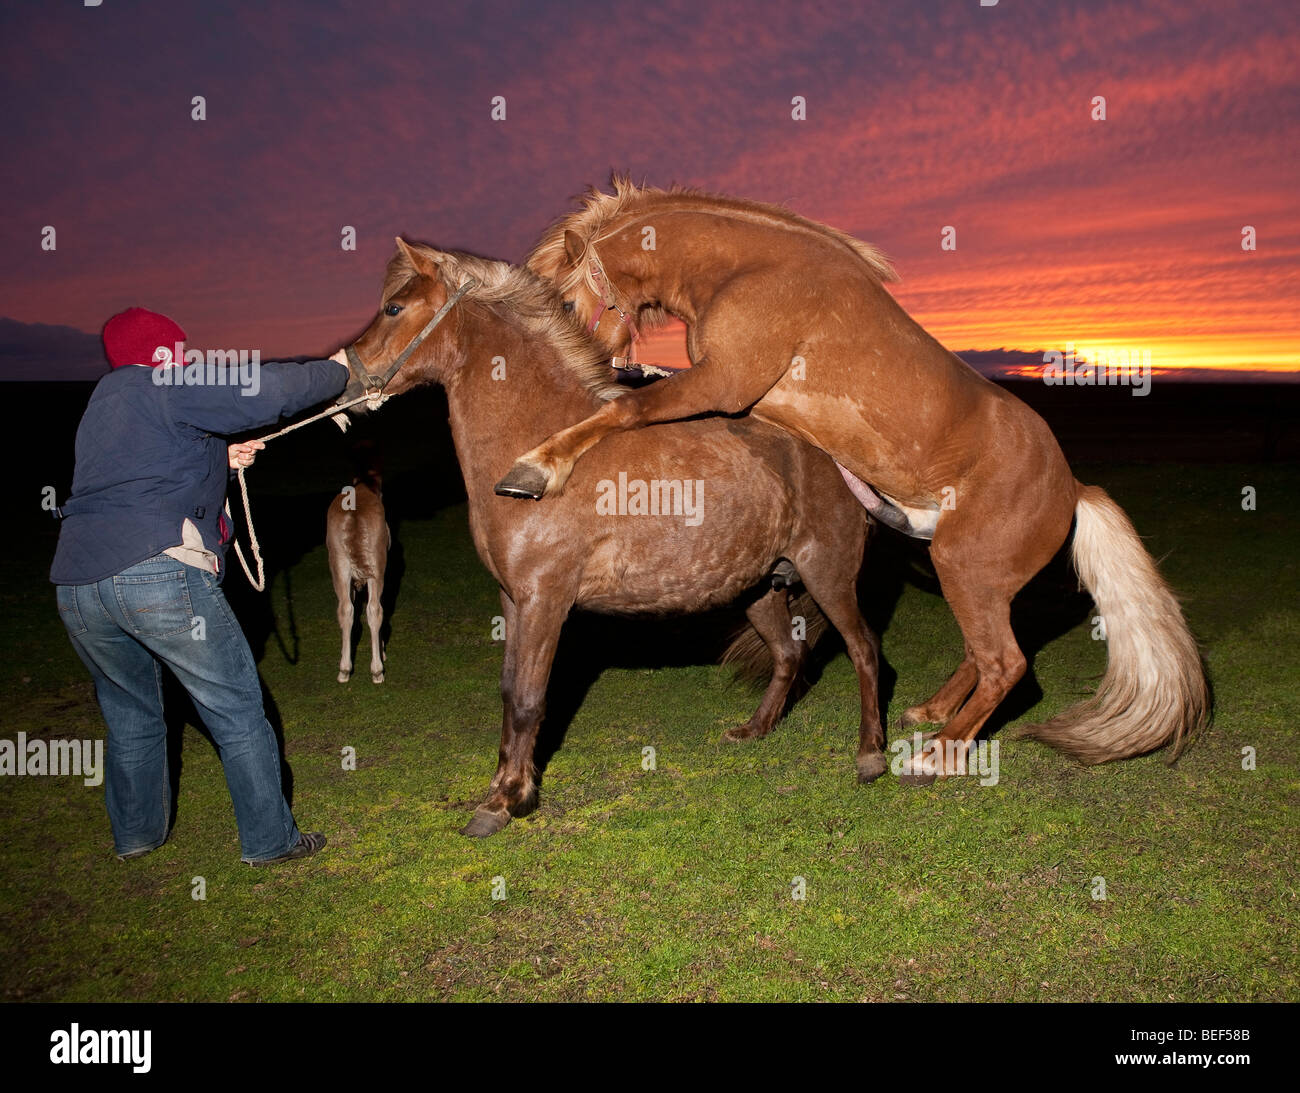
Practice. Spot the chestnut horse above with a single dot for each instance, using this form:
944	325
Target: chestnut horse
692	517
357	540
790	320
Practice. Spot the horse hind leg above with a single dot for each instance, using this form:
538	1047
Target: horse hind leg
769	615
984	615
375	622
345	614
836	596
943	705
981	565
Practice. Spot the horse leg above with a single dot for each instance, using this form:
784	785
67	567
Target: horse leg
1002	532
375	621
343	592
835	591
770	616
703	389
532	634
943	705
984	615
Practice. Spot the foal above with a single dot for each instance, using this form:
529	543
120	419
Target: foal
357	538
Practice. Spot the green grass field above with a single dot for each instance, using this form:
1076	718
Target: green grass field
676	883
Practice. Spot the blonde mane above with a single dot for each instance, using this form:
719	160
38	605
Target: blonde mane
600	210
517	295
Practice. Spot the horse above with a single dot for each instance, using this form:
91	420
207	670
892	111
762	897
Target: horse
357	540
690	517
790	321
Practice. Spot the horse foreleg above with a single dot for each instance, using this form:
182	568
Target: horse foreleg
532	634
705	388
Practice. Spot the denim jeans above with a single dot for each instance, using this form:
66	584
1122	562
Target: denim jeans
124	629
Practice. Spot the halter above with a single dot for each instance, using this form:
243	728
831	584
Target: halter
600	281
376	384
374	395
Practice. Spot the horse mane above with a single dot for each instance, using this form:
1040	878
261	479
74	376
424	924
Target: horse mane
600	209
514	293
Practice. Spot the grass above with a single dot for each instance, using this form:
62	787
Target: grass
676	883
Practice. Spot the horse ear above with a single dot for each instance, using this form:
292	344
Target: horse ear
572	246
420	259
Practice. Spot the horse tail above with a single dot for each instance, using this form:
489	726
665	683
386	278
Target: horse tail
748	653
1154	692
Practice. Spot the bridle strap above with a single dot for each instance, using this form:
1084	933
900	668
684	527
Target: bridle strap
600	279
378	383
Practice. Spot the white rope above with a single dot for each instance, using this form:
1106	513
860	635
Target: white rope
259	582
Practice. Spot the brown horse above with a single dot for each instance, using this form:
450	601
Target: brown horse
357	540
789	319
693	517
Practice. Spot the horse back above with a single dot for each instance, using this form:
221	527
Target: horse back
677	518
356	533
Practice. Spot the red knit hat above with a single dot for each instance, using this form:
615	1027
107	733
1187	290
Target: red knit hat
132	337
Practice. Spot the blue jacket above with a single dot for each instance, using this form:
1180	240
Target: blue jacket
151	455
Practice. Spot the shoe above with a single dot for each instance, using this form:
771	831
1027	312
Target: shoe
305	847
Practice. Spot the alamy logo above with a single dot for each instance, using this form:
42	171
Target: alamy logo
658	497
948	757
181	367
1098	368
78	1045
82	758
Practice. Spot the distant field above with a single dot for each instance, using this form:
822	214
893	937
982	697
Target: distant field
674	883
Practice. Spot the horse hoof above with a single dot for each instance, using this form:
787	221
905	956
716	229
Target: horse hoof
911	778
344	676
913	717
485	822
524	480
871	767
784	574
376	677
742	732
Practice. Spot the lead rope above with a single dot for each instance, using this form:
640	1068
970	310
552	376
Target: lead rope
259	582
375	397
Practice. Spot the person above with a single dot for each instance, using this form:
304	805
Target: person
139	564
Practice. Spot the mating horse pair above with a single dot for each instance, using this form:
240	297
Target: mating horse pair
788	323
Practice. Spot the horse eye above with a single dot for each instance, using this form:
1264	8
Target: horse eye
568	305
392	309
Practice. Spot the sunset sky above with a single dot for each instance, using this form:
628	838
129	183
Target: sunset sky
1118	233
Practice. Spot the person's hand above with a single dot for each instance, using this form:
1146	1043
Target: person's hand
243	454
342	358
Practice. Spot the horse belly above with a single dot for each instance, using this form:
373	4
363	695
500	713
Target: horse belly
674	574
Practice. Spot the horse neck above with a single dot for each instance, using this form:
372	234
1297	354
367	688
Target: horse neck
489	416
681	271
